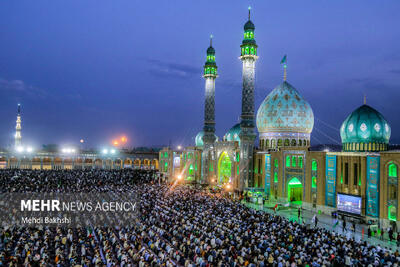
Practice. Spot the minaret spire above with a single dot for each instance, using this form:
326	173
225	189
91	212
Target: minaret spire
284	63
247	134
249	11
365	99
210	75
18	127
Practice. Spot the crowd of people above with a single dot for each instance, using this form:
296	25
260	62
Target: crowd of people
177	225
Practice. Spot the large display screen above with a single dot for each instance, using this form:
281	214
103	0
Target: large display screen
349	203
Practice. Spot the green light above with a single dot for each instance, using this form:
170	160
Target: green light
300	162
195	166
392	170
166	166
224	168
392	213
314	182
276	163
294	181
295	184
166	155
237	157
341	179
314	165
191	169
211	167
293	161
275	177
237	169
359	181
288	161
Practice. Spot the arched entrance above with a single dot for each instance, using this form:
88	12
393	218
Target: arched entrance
295	190
224	168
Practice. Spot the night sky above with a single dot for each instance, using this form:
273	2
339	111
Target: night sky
98	69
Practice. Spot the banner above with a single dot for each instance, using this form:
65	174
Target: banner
267	189
330	182
372	188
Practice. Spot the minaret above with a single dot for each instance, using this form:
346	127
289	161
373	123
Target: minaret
18	128
247	124
210	74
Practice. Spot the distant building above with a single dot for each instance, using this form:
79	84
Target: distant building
18	128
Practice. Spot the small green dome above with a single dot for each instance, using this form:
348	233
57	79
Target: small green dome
365	130
210	50
233	133
199	139
249	25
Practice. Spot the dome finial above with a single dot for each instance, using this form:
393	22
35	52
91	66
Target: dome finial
211	37
284	62
365	99
249	11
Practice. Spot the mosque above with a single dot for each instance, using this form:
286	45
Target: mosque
361	181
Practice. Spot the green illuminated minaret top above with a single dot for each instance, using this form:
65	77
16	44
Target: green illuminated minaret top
249	46
210	67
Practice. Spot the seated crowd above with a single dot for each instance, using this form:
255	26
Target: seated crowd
177	226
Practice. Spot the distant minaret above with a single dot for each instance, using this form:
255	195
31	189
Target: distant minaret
247	124
18	128
210	74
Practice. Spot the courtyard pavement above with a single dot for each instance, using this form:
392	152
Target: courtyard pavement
328	222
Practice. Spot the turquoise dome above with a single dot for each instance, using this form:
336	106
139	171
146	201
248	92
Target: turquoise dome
199	139
365	129
284	118
285	110
233	133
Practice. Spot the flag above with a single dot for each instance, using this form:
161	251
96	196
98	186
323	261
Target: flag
283	61
276	205
336	224
313	218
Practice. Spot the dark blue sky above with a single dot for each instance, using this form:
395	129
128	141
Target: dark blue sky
96	69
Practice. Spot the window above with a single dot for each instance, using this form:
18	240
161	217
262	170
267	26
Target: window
166	155
314	165
279	142
300	162
392	170
237	169
286	142
392	213
259	165
275	177
211	167
314	182
288	161
276	163
346	173
237	156
166	166
294	161
355	178
191	169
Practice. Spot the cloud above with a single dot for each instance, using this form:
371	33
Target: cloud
20	87
168	69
